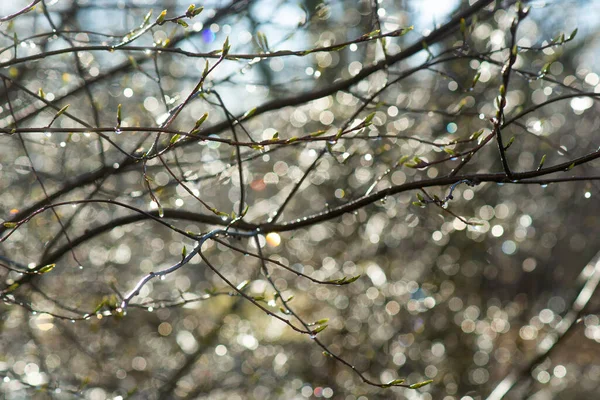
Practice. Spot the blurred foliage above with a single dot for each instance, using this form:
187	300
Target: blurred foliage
353	142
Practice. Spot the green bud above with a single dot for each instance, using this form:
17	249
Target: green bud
161	18
46	268
420	384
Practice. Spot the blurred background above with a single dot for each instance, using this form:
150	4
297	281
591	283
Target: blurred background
463	294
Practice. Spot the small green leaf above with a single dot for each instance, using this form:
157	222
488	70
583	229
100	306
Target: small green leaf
99	306
404	31
221	214
476	135
190	10
541	162
395	382
10	225
183	23
184	252
572	35
275	136
420	197
197	11
317	133
476	79
205	72
368	119
403	159
41	93
510	142
322	321
319	329
12	287
46	268
161	18
226	46
353	278
119	115
200	122
147	18
262	41
243	285
175	138
545	68
570	166
420	384
248	113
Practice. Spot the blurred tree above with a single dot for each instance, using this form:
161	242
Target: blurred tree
269	199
